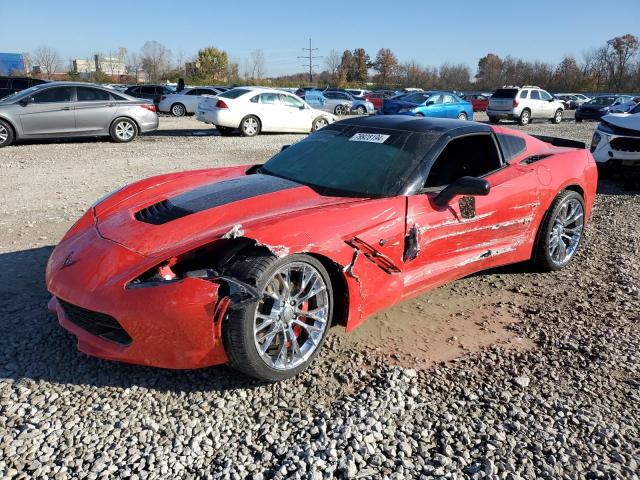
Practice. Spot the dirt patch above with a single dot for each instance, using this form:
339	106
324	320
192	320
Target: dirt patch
441	326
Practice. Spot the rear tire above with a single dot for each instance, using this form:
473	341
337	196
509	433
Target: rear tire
557	117
242	335
123	130
319	123
6	134
553	229
250	126
525	117
421	115
340	110
361	110
178	110
462	116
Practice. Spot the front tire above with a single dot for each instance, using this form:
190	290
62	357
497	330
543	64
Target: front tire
178	110
319	123
462	116
557	117
250	126
279	334
123	130
561	232
340	110
525	117
361	110
6	134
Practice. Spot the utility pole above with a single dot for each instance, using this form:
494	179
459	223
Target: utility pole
311	58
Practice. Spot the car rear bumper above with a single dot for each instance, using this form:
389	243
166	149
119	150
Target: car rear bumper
171	325
502	114
149	124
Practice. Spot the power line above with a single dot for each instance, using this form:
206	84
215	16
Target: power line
311	58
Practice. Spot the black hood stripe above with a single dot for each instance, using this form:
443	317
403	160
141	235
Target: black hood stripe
211	196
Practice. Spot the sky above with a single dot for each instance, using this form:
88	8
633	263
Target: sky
428	32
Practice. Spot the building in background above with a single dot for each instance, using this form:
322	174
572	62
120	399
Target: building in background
12	63
113	65
83	66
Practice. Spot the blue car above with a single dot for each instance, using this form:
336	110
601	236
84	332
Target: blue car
428	104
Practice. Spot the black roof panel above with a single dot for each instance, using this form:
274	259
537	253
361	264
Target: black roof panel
421	125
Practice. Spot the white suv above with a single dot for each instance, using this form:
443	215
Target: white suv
523	104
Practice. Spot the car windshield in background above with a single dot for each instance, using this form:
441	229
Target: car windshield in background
505	93
420	97
234	93
602	101
353	161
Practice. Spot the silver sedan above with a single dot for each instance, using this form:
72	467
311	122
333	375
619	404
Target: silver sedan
65	109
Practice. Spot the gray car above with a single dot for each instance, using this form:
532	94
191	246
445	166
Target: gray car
65	109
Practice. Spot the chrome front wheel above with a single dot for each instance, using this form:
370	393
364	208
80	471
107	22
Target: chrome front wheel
566	231
292	316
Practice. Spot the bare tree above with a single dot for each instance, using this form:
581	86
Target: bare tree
333	61
256	65
155	59
47	59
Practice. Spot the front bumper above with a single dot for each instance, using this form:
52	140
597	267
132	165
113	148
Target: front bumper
616	150
589	114
174	325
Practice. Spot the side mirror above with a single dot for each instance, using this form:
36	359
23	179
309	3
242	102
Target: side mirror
462	186
26	101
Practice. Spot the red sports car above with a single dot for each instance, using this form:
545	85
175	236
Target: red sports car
479	102
250	265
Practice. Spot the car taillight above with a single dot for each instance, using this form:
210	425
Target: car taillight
515	104
151	108
221	104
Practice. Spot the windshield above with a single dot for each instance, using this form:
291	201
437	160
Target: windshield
419	97
602	101
505	93
353	160
234	93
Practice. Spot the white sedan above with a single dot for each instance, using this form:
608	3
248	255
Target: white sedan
258	109
186	101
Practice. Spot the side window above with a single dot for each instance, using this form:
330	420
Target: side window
207	91
511	145
193	91
545	96
435	99
86	94
147	90
4	83
473	155
53	95
255	99
135	90
535	95
448	99
290	101
524	93
342	96
330	95
269	98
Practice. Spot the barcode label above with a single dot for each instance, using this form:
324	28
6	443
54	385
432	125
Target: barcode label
369	137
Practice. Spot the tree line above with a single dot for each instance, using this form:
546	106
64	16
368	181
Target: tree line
612	67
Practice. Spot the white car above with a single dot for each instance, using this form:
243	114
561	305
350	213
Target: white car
616	140
357	92
186	101
524	104
258	109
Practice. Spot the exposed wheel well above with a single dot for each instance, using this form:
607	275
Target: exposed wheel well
575	188
339	287
11	126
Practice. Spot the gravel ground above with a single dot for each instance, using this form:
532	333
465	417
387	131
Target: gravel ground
568	406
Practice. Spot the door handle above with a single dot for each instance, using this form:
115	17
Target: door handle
66	108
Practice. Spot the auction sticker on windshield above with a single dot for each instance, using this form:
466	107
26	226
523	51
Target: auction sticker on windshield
369	137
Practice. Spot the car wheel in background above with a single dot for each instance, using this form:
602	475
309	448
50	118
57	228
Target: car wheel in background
123	130
421	115
224	130
462	116
525	117
361	110
278	334
561	231
340	110
557	118
6	134
178	110
578	120
250	126
319	123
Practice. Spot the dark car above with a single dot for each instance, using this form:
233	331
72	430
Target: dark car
150	92
9	85
595	108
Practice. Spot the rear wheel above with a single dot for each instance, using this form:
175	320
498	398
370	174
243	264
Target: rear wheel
561	231
421	115
557	117
250	126
525	117
462	116
6	134
123	130
178	110
279	334
340	110
361	110
319	123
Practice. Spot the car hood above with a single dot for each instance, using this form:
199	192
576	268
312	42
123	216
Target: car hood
190	209
621	120
393	106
